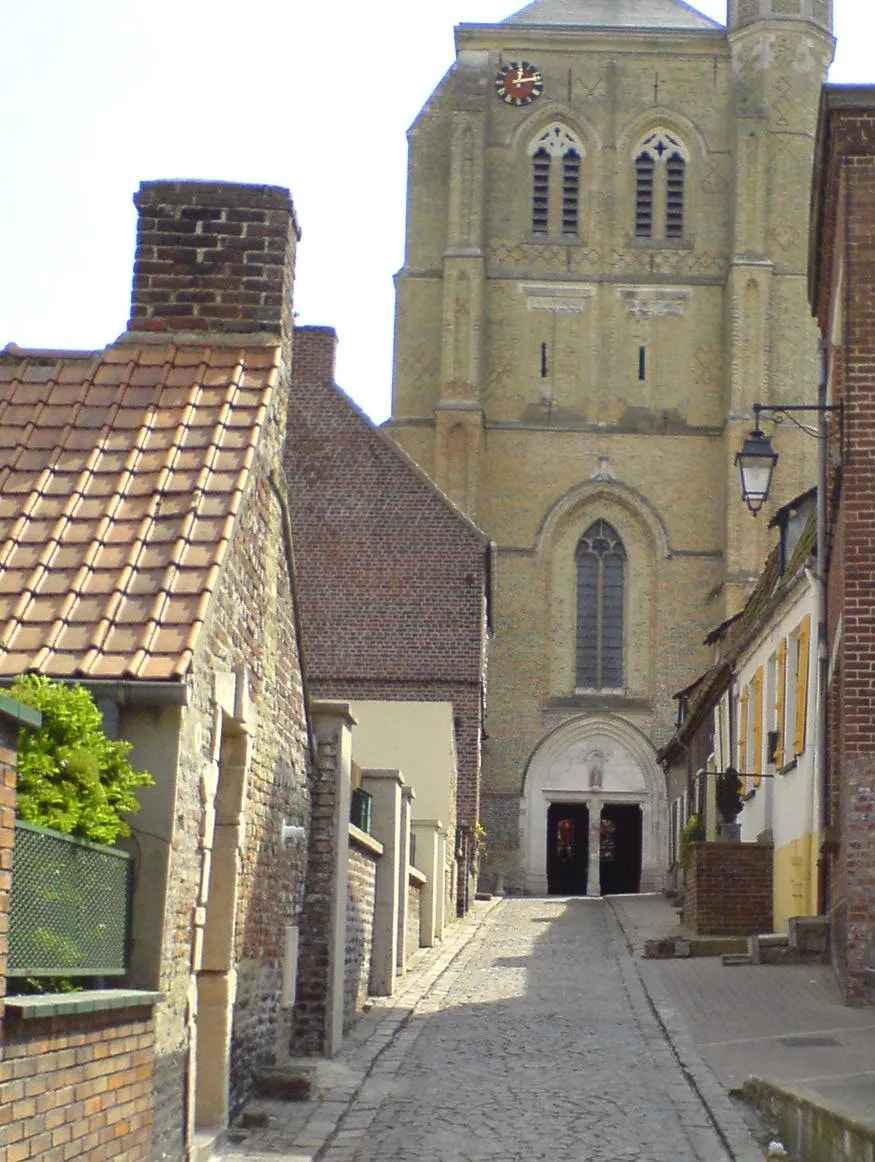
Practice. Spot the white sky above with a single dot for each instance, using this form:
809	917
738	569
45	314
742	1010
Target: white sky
98	95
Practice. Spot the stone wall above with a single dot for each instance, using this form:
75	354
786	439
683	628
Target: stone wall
414	913
728	889
359	928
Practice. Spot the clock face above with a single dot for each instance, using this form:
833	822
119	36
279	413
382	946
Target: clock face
518	83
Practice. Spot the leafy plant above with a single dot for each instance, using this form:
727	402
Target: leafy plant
71	777
728	795
693	831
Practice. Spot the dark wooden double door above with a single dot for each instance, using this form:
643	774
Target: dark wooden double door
568	849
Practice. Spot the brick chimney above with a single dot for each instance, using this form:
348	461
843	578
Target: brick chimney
314	355
213	257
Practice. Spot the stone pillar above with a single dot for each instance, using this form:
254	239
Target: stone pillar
443	894
428	846
385	789
407	797
322	959
593	875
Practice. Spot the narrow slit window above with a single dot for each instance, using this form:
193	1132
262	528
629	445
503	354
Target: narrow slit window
540	192
642	363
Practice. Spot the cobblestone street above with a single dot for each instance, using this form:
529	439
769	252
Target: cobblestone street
536	1042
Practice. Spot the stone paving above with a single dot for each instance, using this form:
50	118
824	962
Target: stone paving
533	1040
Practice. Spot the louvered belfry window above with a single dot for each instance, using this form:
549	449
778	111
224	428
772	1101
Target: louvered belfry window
674	196
660	179
644	168
540	192
556	156
570	192
601	562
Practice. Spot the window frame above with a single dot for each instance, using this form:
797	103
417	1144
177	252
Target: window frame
584	555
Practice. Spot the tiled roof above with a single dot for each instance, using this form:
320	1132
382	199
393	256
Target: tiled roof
661	15
121	473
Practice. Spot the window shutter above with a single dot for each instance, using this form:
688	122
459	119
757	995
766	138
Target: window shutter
801	684
674	196
757	756
570	193
644	168
540	192
780	684
741	747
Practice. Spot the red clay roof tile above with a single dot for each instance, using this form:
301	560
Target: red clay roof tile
119	481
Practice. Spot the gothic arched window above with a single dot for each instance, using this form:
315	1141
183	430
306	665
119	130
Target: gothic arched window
556	155
601	561
660	174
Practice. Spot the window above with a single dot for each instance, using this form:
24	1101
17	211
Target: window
660	174
800	649
556	155
600	562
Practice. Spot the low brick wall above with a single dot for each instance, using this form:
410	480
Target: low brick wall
76	1086
359	925
728	889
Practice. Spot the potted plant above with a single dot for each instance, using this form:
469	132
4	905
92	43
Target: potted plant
730	801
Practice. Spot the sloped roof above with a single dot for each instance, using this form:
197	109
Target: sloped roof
121	473
671	15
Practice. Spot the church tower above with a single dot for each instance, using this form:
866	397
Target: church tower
605	269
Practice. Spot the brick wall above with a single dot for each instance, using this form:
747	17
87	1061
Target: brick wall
728	889
393	579
359	930
8	764
77	1087
844	300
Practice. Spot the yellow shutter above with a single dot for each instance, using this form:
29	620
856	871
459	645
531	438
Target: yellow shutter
780	682
741	748
757	756
801	685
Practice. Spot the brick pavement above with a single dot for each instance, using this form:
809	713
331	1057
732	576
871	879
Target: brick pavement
529	1037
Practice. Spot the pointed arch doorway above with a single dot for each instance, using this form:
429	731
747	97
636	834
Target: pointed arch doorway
592	818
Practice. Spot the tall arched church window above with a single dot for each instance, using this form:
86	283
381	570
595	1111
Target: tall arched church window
660	174
601	562
556	156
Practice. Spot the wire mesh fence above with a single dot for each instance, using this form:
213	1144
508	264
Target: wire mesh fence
69	906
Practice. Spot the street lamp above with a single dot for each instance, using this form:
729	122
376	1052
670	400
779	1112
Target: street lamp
756	462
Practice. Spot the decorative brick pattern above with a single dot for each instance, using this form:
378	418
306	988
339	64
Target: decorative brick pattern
359	930
728	890
77	1087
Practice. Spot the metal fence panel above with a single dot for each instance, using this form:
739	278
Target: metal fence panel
69	906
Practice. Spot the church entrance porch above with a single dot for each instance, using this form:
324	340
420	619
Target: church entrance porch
593	811
567	849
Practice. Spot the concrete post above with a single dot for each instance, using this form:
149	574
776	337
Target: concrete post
594	874
428	845
407	797
385	789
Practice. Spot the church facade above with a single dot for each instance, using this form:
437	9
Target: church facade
605	268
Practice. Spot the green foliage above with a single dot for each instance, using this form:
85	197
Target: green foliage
71	777
693	831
